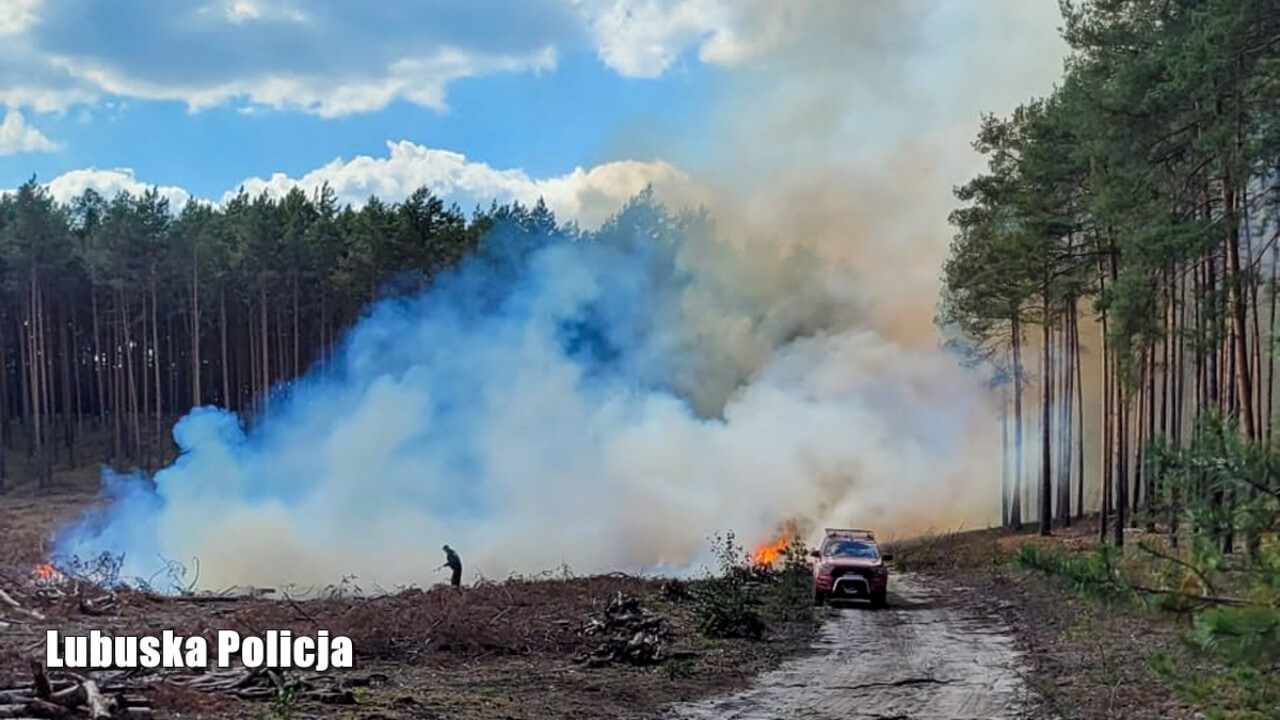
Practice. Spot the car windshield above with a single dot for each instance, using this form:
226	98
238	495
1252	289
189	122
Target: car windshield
851	548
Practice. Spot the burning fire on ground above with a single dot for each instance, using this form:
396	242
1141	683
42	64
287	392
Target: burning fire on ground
770	552
46	573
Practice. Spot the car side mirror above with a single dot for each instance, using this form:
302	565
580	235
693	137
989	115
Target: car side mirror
815	554
887	557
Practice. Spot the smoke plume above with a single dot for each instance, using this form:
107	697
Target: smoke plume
608	401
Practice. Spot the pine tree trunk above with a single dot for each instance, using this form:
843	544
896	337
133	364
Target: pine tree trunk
1239	310
4	407
297	336
1004	459
1046	422
1271	356
155	364
196	367
1068	378
266	352
98	361
68	423
131	380
116	394
226	365
33	385
1015	503
1075	350
1122	460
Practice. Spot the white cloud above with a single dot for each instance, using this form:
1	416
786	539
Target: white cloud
246	11
110	183
16	136
17	15
325	57
643	38
334	58
585	195
419	80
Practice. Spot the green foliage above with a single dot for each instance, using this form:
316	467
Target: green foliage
284	699
789	592
728	603
679	668
1237	692
1249	634
1094	573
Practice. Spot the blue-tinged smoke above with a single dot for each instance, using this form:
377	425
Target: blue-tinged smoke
603	400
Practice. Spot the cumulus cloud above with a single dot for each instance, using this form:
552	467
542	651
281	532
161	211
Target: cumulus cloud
16	136
332	58
645	38
17	15
585	195
327	57
110	183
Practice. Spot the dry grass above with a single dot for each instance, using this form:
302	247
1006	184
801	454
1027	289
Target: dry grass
504	649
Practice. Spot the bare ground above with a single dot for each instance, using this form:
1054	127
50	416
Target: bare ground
499	650
1087	660
926	657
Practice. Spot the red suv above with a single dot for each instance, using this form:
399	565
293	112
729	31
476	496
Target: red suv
850	565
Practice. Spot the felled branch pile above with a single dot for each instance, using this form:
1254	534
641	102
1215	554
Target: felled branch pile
35	596
627	633
71	696
263	684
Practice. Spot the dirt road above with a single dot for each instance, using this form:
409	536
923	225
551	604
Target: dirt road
924	658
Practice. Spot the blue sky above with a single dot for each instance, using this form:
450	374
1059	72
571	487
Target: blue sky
206	95
582	102
538	122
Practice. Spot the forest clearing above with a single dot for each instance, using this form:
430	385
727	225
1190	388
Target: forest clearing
1073	646
715	321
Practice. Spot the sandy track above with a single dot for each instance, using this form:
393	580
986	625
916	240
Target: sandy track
923	658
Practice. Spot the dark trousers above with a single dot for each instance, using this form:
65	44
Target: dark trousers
455	578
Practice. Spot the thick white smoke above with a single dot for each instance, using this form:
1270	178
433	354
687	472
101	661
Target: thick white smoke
609	402
605	402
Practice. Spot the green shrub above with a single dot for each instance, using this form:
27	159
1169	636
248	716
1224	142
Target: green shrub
728	603
1243	634
1092	573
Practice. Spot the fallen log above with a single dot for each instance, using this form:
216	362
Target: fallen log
155	597
34	708
99	705
7	599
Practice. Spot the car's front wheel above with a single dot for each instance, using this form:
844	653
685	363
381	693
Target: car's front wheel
880	599
819	598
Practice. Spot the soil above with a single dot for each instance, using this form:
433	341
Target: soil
513	649
967	635
1086	659
925	657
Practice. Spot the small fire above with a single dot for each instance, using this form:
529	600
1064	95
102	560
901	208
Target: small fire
45	572
768	553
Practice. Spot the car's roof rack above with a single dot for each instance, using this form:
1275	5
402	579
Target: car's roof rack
851	533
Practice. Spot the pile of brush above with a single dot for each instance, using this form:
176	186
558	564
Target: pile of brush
266	684
67	695
625	632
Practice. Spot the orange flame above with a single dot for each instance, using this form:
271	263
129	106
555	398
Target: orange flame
768	553
45	572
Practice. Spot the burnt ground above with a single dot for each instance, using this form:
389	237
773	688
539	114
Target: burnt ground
512	649
1087	659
